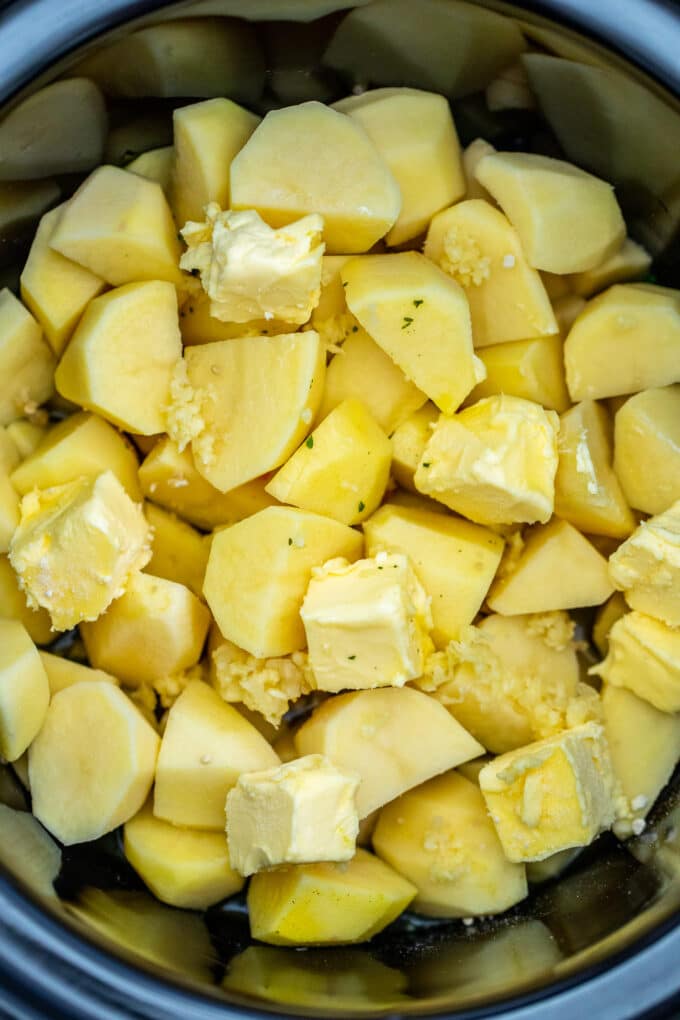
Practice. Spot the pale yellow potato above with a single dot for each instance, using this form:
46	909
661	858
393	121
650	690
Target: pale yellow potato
471	156
9	512
206	745
9	451
408	442
207	136
24	690
258	572
421	319
178	552
647	449
333	169
393	737
557	569
198	326
414	133
82	445
183	867
121	357
13	606
605	618
567	310
92	764
28	852
531	369
326	903
475	244
630	262
155	165
22	203
154	629
568	220
253	399
342	468
119	226
26	362
440	837
602	351
62	673
26	435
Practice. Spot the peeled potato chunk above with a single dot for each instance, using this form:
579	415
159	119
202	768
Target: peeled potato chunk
647	449
28	852
156	165
414	133
258	573
154	629
393	737
183	867
13	606
408	442
62	673
9	512
475	244
568	220
587	491
24	690
253	399
630	262
421	318
333	169
326	903
26	362
92	764
121	357
178	552
342	468
22	203
557	568
119	226
55	289
530	369
207	136
602	353
440	837
206	746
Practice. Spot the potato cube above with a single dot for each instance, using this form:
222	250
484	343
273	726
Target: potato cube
154	629
82	445
183	867
178	552
26	362
198	326
258	572
557	568
169	477
454	560
587	491
644	657
156	165
408	442
421	318
567	310
474	243
414	133
602	351
326	903
471	156
9	451
440	837
28	852
362	370
605	618
333	169
207	136
78	546
24	690
121	357
494	462
342	468
13	606
568	221
367	624
26	436
647	449
393	737
92	764
531	369
297	813
9	512
119	226
646	568
630	262
22	203
55	289
206	746
250	403
551	795
63	673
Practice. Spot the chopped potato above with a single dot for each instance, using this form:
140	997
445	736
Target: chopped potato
531	369
408	442
62	673
647	449
14	606
24	690
178	552
630	262
26	362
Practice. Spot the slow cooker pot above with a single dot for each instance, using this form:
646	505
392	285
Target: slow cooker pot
604	936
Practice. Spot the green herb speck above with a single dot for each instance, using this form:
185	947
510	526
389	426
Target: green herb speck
290	541
309	442
345	284
426	463
408	319
195	272
418	302
355	329
351	656
362	506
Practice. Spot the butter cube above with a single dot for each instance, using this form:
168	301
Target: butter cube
77	546
494	462
551	795
646	568
367	623
250	270
298	813
644	657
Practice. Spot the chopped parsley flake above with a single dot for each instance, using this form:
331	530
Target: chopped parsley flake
290	541
351	656
355	329
418	302
309	442
362	506
345	284
407	321
426	463
195	272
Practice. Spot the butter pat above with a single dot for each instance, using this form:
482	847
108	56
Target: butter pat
298	813
551	795
251	271
367	623
76	547
646	568
644	656
494	462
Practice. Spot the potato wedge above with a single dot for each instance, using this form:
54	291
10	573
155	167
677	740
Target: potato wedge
530	369
178	552
24	690
28	852
647	449
13	606
62	673
26	362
